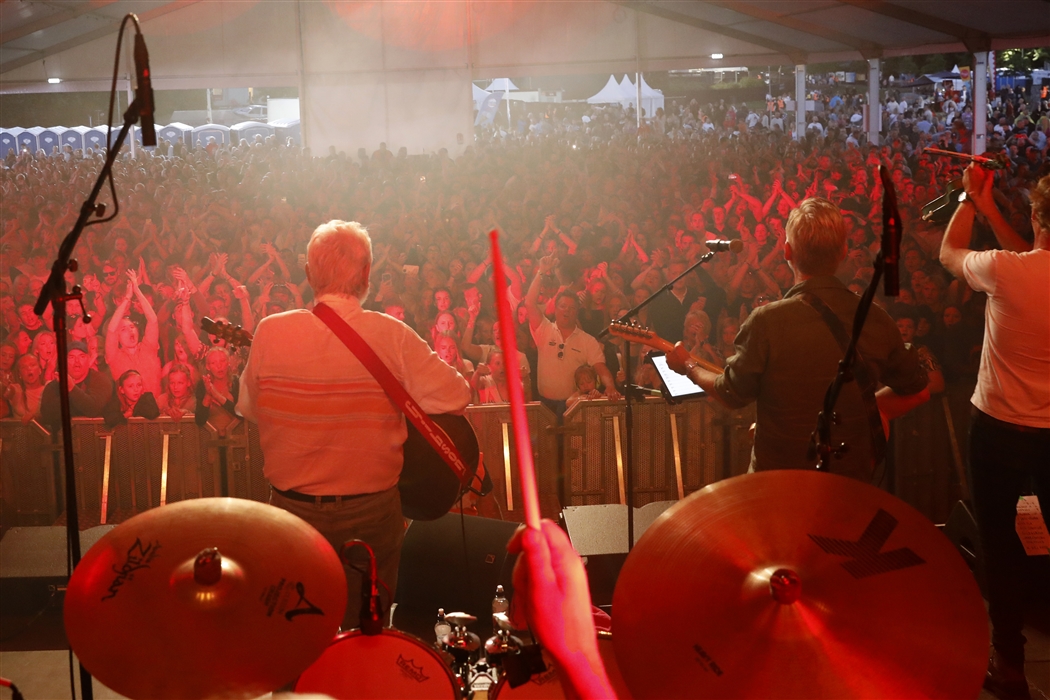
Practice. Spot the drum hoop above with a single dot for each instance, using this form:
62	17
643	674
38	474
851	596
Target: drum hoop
405	636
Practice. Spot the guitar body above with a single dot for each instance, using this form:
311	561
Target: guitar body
429	488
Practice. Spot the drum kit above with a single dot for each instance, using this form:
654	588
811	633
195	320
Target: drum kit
775	584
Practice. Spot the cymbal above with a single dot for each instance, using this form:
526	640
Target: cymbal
798	584
214	597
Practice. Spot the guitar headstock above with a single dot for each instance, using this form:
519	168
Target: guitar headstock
630	330
234	335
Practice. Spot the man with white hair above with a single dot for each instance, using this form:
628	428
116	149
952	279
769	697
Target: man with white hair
787	353
331	437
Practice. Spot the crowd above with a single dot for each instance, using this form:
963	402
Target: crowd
594	216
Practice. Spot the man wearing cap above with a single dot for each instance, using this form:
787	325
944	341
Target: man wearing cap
89	390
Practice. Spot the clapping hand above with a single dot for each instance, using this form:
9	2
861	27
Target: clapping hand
547	263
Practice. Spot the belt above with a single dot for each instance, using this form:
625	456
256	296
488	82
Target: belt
983	417
307	498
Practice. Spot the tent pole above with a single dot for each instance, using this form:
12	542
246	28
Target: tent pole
638	93
874	103
980	102
800	102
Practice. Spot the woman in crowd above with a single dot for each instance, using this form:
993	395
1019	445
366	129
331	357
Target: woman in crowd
24	396
46	351
132	400
178	399
490	380
217	390
447	349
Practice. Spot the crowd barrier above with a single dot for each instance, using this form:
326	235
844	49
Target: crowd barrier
581	459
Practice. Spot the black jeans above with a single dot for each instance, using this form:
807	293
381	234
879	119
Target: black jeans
1005	460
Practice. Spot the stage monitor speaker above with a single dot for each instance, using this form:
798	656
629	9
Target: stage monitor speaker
33	564
441	569
599	533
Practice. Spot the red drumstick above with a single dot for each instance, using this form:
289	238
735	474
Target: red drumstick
522	440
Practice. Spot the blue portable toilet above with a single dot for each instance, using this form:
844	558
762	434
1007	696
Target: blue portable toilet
176	132
8	141
47	139
74	137
201	134
95	137
27	140
285	128
248	131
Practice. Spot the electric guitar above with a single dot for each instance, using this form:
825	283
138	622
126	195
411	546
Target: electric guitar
429	488
641	334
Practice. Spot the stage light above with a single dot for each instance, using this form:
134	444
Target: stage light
54	81
717	56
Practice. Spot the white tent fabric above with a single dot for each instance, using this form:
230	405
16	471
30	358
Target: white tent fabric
479	96
651	99
609	94
504	84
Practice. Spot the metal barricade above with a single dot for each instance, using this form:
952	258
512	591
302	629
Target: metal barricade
27	474
678	449
495	433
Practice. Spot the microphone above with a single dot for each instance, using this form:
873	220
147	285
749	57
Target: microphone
144	92
371	606
724	246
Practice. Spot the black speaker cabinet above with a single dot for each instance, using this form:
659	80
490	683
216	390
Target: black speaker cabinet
455	563
33	562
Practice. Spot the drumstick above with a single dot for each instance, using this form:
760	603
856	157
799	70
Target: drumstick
522	440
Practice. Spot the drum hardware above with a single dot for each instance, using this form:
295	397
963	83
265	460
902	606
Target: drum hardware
502	643
205	598
462	644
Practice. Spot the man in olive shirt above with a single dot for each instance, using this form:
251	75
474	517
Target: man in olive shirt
786	356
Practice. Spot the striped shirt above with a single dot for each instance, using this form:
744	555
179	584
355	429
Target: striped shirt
325	425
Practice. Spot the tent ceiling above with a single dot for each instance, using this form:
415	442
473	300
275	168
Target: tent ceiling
763	31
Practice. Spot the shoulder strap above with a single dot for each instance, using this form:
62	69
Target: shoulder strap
860	372
430	430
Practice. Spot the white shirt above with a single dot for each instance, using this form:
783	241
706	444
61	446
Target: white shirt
559	358
1013	383
326	426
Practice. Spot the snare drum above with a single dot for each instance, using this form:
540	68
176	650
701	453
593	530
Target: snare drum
547	685
388	665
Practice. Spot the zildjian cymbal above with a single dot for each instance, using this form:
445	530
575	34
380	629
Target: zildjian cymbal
214	597
798	584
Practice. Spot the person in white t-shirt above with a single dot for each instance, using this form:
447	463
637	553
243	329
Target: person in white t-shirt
562	345
1010	434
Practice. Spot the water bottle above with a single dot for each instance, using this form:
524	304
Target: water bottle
441	628
500	604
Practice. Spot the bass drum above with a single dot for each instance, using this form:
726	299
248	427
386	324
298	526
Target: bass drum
388	665
547	685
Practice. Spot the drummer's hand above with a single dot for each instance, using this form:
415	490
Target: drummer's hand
676	359
550	587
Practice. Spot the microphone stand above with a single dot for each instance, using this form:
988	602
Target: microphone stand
630	394
887	262
54	292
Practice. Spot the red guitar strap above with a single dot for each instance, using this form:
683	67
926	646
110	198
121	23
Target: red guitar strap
430	430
